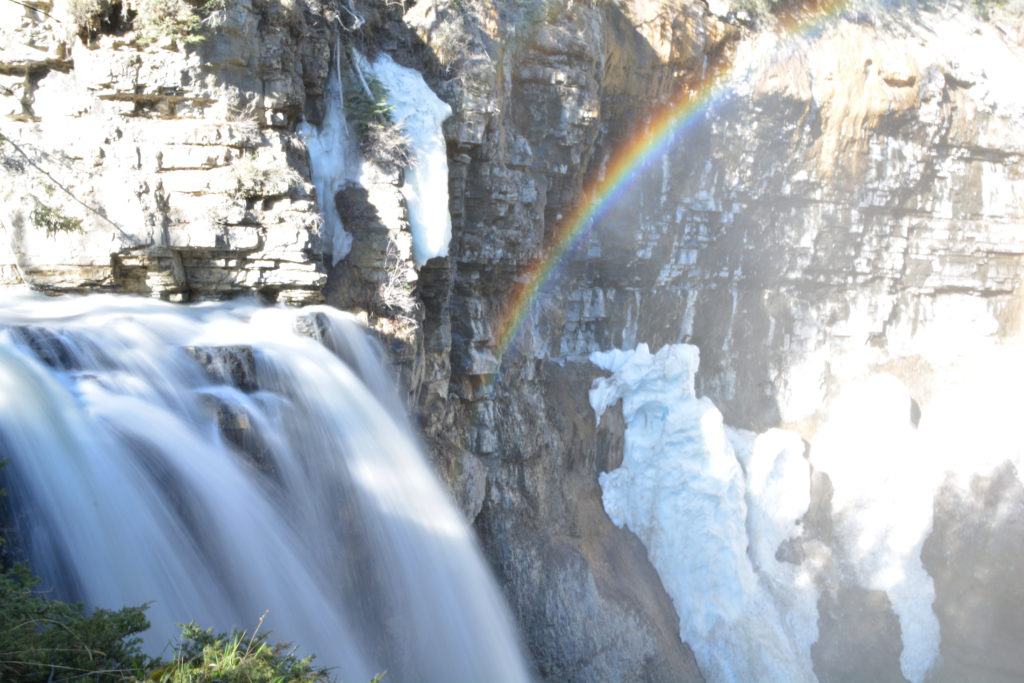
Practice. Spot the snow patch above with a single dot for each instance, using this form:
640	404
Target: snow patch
684	492
420	113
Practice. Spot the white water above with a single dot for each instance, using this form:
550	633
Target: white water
420	113
711	529
308	497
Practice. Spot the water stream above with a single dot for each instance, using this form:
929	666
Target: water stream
222	460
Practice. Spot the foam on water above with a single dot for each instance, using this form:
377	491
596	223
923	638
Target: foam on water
138	475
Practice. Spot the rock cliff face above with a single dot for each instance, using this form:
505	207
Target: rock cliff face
847	204
180	162
847	201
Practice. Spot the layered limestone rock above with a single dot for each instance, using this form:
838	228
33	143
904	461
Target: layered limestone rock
175	162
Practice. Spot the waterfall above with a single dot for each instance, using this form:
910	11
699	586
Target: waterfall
222	460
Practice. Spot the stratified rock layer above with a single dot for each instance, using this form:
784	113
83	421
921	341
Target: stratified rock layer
847	202
178	161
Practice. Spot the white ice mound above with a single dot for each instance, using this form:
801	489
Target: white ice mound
684	493
420	113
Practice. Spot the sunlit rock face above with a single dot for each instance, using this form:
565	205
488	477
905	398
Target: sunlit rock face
178	160
847	205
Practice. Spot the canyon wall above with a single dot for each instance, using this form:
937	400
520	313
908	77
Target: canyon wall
179	161
846	200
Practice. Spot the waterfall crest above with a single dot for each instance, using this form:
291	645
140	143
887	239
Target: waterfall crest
222	460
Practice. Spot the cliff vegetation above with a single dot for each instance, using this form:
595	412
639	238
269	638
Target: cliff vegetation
43	640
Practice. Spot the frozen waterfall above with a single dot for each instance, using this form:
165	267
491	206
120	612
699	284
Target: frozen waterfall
336	160
711	505
723	512
419	112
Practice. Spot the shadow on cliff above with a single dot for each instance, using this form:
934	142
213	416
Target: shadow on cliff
585	594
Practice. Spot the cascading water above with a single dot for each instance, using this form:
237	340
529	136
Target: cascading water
222	460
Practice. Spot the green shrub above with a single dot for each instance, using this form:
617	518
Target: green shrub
86	14
381	139
48	640
174	19
361	109
179	20
239	657
53	219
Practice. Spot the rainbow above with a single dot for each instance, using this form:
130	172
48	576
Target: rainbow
626	165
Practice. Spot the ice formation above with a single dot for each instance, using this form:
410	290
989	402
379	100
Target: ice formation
884	484
420	113
683	490
334	160
714	504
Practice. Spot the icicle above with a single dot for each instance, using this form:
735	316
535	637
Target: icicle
334	160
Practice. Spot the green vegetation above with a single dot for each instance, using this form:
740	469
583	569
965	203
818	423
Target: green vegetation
368	112
44	215
236	658
174	19
364	109
152	20
985	8
53	219
44	641
49	641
